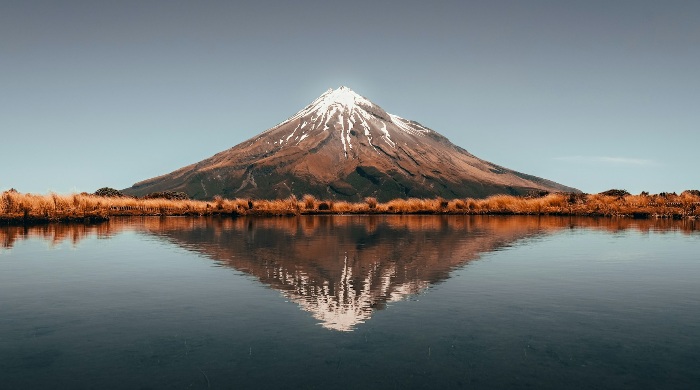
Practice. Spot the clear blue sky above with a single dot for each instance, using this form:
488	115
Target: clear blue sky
592	94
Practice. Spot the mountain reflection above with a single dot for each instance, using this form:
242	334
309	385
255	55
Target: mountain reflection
341	268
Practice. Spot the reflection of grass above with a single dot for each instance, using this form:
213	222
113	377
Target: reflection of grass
26	208
309	226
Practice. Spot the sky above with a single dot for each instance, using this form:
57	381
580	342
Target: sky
591	94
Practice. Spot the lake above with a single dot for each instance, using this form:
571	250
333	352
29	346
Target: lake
378	302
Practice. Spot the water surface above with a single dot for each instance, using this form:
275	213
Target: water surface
351	302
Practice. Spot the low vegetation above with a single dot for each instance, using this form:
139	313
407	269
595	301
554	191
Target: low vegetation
18	208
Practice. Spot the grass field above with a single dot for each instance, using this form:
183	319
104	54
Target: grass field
19	208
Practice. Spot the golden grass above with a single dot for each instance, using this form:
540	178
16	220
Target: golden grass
25	208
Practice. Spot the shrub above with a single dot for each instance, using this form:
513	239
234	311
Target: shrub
309	202
219	202
371	202
615	193
574	197
170	195
109	192
536	194
293	203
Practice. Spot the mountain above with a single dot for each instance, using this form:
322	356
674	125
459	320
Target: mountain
343	146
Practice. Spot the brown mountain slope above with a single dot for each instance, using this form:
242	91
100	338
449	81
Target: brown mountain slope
342	146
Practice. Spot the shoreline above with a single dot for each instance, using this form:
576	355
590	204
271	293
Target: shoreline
6	220
29	209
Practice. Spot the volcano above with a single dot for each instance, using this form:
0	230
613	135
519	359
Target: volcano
342	146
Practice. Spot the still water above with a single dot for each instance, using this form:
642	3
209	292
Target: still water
351	302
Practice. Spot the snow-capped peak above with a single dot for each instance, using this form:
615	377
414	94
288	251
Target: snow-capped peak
346	97
343	99
352	115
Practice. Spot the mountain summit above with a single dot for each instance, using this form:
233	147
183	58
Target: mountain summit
343	146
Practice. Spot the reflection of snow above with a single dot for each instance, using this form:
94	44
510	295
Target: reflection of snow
383	259
349	305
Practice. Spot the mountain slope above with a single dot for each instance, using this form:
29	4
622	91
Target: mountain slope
343	146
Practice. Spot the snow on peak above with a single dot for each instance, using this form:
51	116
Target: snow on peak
349	113
342	99
345	97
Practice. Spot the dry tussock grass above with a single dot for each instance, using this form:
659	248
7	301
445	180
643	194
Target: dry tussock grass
16	206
